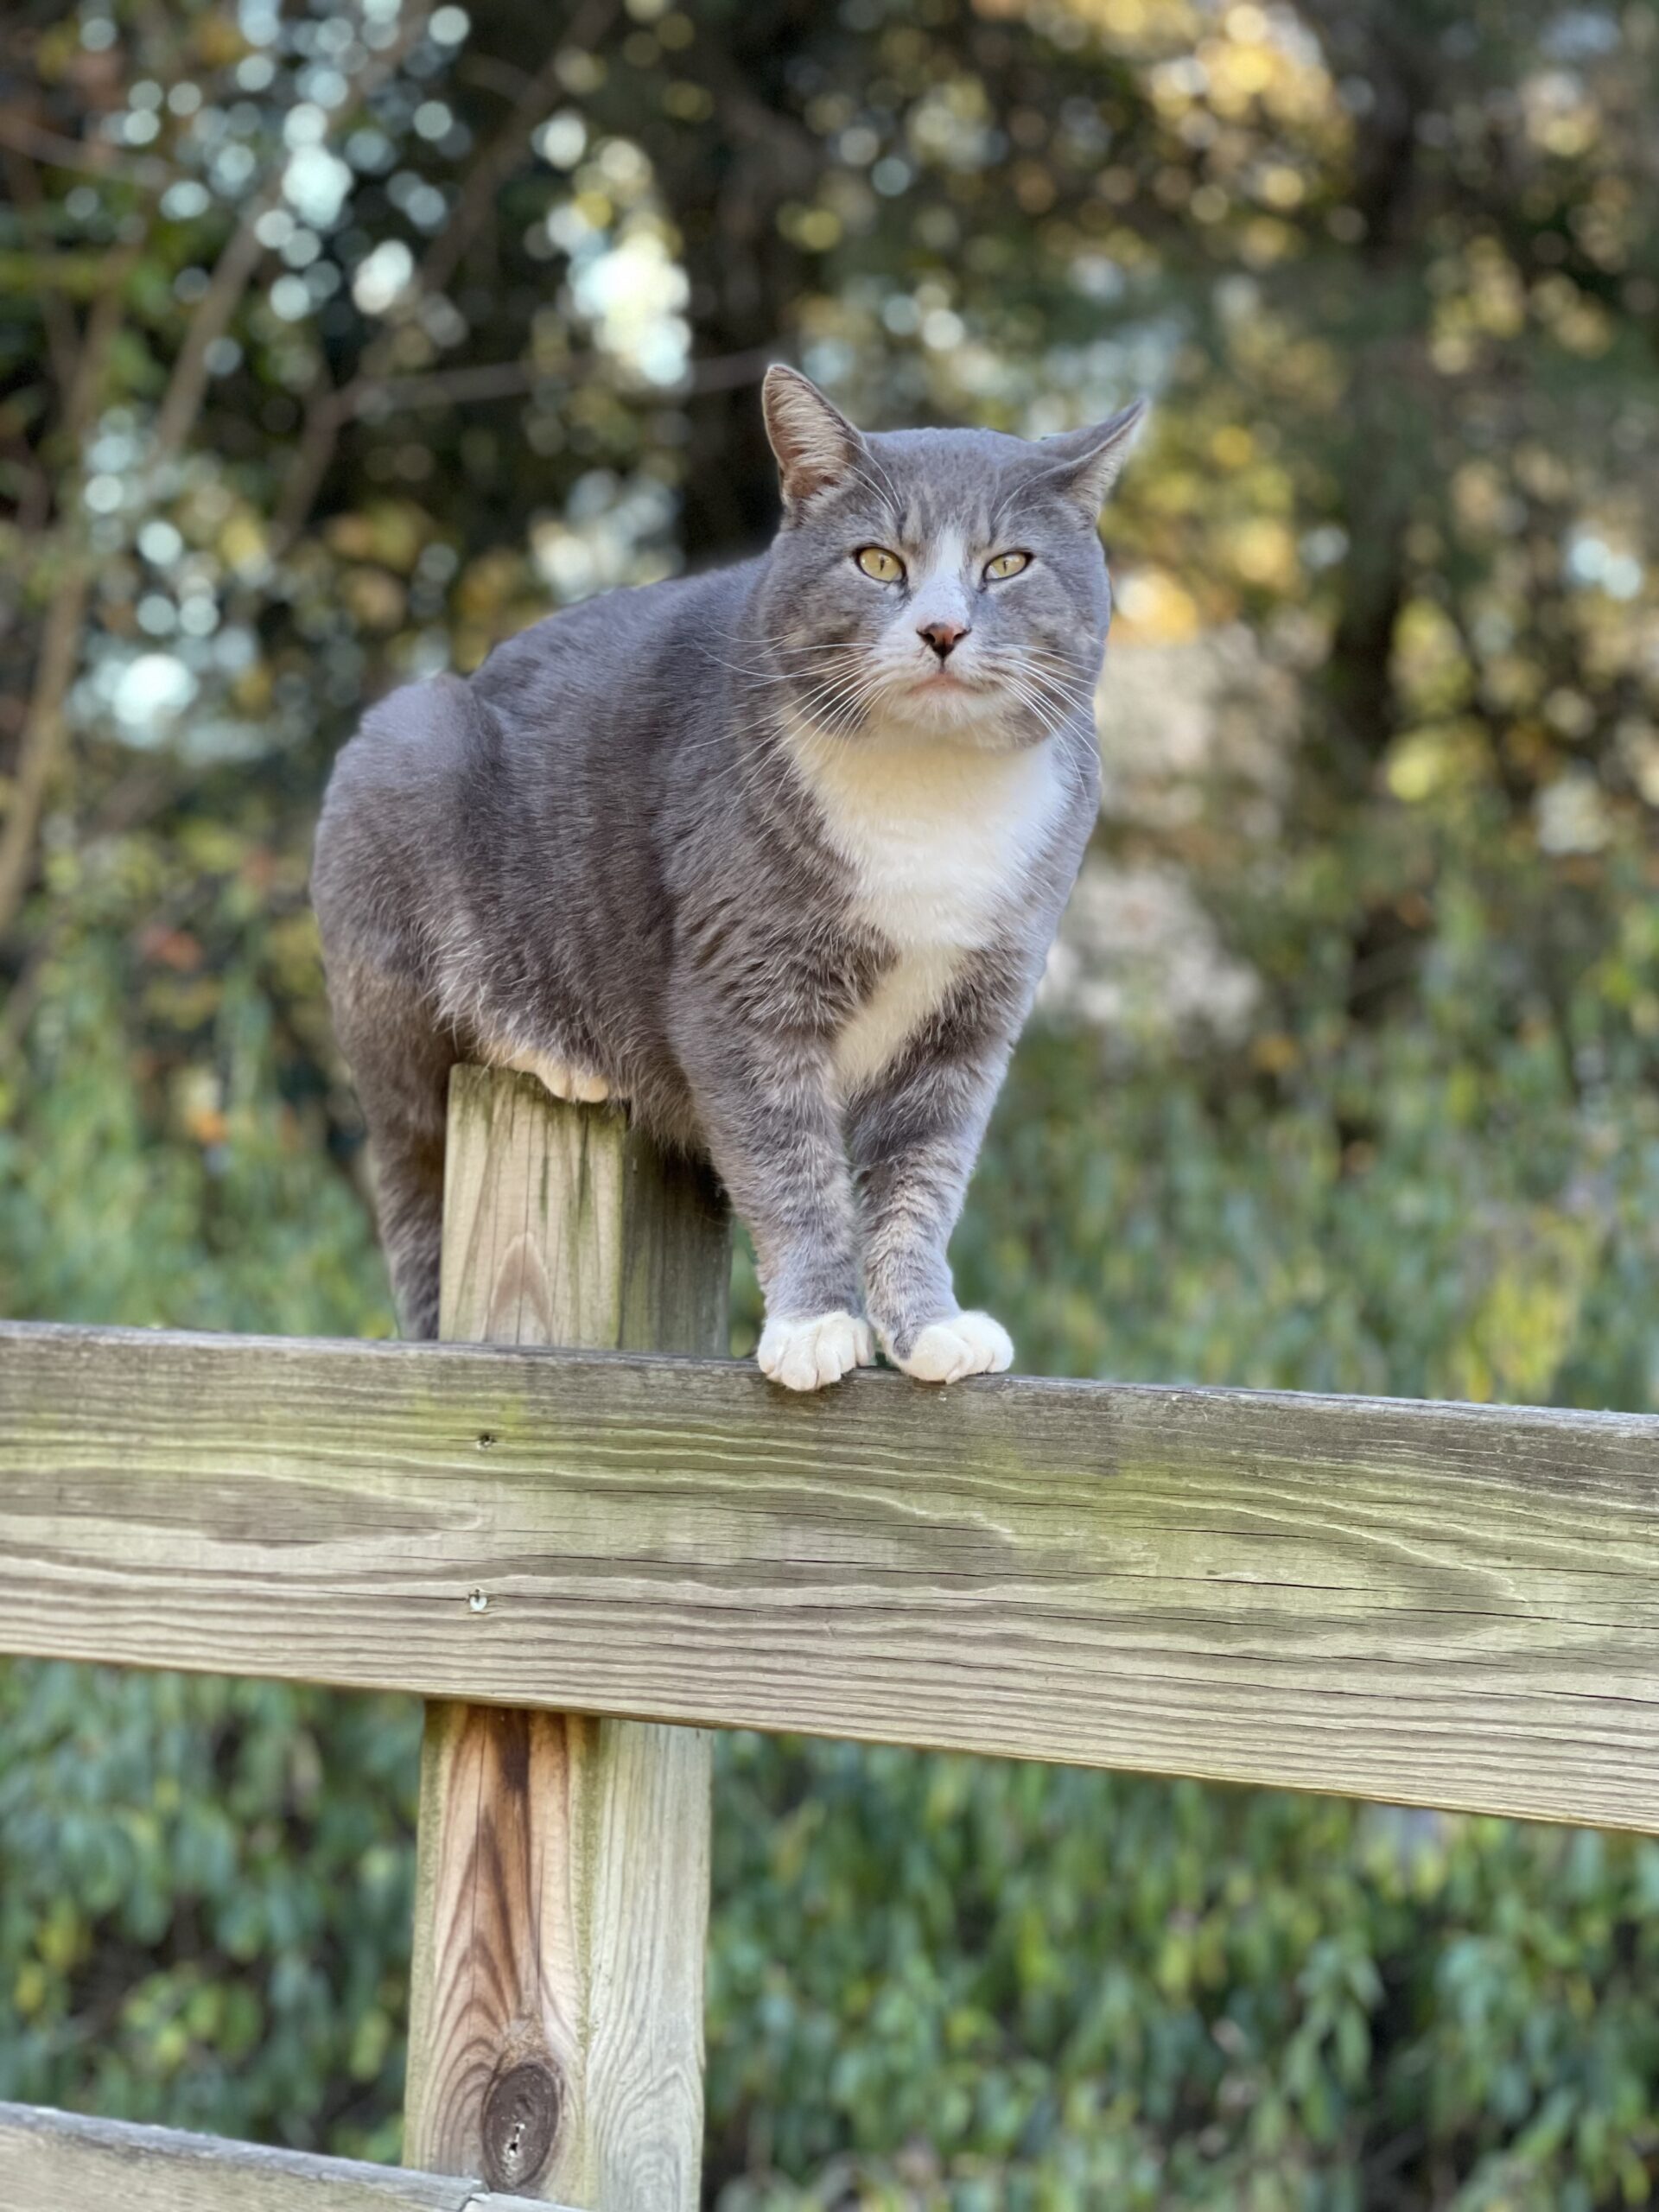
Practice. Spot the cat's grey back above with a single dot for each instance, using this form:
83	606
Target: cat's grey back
511	829
622	673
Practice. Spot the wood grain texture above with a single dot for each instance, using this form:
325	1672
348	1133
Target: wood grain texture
1438	1605
562	1226
59	2162
562	1890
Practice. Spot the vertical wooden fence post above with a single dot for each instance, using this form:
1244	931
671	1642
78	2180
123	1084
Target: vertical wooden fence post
562	1888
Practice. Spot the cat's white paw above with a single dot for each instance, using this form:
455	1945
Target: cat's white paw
967	1344
807	1354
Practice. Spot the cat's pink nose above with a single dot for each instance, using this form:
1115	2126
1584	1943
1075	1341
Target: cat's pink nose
944	637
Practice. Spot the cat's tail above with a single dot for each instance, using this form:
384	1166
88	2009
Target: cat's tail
377	885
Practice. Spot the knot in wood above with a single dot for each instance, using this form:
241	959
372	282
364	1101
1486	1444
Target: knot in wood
520	2120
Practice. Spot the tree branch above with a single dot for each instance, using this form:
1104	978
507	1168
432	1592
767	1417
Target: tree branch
182	401
60	338
40	745
329	407
450	387
505	150
92	157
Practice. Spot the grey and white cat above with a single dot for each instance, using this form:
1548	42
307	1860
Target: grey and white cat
773	854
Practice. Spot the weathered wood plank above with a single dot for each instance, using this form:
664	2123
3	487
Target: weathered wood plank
59	2162
564	1226
1454	1605
562	1892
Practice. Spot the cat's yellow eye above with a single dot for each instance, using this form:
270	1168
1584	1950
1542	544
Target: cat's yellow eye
1004	565
876	561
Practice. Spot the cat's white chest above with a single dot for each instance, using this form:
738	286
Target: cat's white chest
941	841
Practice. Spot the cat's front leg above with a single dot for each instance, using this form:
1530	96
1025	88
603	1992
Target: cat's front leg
768	1114
913	1138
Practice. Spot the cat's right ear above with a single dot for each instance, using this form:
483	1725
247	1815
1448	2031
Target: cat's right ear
814	443
1086	463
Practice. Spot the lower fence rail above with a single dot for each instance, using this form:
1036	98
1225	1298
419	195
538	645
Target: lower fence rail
59	2162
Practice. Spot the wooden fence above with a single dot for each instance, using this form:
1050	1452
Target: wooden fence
1449	1605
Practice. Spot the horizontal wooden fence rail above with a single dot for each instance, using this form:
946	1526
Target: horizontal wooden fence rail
57	2162
1445	1605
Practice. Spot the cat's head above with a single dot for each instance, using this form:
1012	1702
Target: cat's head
944	584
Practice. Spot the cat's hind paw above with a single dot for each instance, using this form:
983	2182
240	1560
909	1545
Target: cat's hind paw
805	1355
564	1079
579	1086
966	1344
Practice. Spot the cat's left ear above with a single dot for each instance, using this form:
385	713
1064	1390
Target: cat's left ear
814	443
1085	463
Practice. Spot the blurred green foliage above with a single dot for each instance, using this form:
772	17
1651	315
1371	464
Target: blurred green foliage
336	342
939	1981
204	1914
